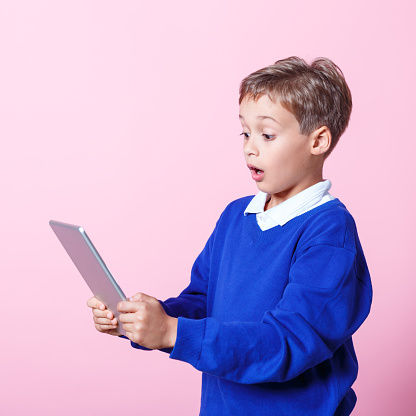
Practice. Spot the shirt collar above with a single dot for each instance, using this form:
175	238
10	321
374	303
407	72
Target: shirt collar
292	207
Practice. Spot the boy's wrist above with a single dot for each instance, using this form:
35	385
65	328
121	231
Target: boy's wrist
172	332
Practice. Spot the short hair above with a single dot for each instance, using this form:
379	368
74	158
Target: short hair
316	94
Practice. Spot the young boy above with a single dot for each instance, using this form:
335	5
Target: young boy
282	283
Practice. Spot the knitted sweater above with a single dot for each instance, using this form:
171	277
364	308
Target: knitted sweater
268	315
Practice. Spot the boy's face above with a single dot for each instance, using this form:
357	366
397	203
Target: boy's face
278	156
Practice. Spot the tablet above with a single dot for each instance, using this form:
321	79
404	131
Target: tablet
91	266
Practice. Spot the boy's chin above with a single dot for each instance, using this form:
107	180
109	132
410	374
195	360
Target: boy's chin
261	187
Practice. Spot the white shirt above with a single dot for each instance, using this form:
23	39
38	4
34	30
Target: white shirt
298	204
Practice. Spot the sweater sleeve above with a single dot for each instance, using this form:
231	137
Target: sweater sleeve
327	298
192	302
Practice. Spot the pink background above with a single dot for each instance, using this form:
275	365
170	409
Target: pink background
122	117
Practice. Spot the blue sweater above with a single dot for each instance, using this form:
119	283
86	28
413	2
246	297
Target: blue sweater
268	315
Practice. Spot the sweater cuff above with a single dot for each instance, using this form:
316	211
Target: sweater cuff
189	339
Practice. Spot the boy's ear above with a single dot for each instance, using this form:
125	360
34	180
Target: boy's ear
320	140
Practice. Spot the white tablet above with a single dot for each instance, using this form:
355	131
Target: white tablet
91	266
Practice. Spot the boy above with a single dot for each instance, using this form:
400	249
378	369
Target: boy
282	283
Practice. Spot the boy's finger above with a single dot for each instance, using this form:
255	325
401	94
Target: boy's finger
127	306
105	321
109	314
136	297
92	302
102	314
103	328
126	318
95	303
141	297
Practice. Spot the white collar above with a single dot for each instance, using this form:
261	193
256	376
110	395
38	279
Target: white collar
292	207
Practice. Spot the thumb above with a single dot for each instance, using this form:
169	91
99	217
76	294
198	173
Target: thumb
141	297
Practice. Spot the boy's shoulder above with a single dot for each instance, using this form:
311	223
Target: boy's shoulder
330	224
234	211
236	207
239	204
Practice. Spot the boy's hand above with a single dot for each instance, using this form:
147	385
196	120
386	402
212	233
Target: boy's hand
146	322
103	319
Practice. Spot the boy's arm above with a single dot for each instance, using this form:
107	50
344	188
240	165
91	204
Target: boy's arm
191	303
327	299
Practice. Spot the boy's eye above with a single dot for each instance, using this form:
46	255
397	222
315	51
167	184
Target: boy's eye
246	135
268	136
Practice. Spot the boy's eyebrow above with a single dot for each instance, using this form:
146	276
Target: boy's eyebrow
268	117
262	118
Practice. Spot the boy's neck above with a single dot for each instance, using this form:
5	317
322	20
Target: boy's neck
277	199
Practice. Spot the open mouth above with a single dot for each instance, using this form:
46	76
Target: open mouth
254	169
256	173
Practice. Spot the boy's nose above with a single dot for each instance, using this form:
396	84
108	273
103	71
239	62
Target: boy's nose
250	147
